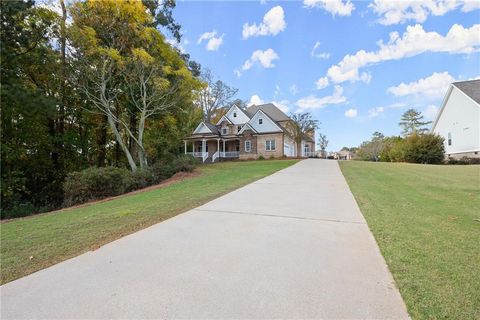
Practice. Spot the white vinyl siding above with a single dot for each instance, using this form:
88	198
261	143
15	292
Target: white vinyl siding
269	145
248	146
262	123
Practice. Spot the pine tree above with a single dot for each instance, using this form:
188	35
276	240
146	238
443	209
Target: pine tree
412	122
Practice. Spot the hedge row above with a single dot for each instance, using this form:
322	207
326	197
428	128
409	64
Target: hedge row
98	183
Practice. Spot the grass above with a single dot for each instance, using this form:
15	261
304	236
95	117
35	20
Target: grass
423	218
33	243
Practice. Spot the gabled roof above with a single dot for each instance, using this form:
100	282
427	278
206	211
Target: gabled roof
247	126
224	117
471	88
280	129
270	110
209	126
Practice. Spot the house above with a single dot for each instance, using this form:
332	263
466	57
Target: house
259	130
458	120
344	155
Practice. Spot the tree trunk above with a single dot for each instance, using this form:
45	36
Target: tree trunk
113	126
101	140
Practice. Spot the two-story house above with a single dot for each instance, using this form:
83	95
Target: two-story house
249	133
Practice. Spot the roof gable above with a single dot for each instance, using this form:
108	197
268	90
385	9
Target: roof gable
470	88
236	115
266	125
246	127
224	118
271	110
204	127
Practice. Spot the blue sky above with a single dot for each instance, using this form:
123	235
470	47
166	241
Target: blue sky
364	51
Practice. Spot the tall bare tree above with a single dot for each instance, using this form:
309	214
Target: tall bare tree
322	143
301	126
214	95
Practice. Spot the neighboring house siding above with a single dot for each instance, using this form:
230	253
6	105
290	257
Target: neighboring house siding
261	139
461	119
288	147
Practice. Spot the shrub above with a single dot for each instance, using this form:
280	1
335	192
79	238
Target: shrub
142	178
424	148
96	183
463	161
186	163
271	157
261	157
162	170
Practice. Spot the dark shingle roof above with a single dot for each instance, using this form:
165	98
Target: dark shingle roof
471	88
270	109
212	128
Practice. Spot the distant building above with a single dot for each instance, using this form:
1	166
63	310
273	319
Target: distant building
458	120
344	155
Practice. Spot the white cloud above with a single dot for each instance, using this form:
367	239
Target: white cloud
351	113
430	112
259	57
375	112
213	42
320	55
255	99
293	89
282	105
335	7
273	23
432	87
414	41
322	83
395	12
313	102
277	91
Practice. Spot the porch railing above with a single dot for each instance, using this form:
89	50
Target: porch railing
215	156
195	154
230	154
204	156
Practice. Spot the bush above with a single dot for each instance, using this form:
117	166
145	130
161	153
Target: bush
142	178
162	171
261	157
185	163
463	161
424	148
96	183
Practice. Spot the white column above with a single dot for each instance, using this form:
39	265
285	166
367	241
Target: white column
218	146
185	142
204	145
224	147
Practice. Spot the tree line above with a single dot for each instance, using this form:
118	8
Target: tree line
95	83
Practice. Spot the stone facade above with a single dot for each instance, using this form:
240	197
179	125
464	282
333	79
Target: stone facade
248	136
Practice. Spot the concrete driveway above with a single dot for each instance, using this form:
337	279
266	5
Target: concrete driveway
291	245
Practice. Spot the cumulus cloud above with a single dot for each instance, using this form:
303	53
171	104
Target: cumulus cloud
335	7
375	112
320	55
282	105
256	100
213	41
395	12
414	41
314	102
322	83
432	87
351	113
259	57
273	23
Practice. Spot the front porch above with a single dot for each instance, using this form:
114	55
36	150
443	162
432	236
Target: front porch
213	149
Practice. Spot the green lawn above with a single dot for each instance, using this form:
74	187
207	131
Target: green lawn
423	218
36	242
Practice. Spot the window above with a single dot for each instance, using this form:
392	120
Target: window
248	146
260	121
449	138
239	128
270	145
234	114
224	130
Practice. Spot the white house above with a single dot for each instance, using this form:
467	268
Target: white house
458	120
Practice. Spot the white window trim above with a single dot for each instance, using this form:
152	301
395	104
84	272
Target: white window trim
249	149
274	145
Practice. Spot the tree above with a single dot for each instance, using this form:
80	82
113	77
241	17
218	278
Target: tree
302	126
214	95
323	143
411	122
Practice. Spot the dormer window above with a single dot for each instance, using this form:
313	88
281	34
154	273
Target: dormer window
234	114
224	131
260	121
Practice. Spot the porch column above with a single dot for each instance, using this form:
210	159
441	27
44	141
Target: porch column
204	143
223	145
218	146
185	142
